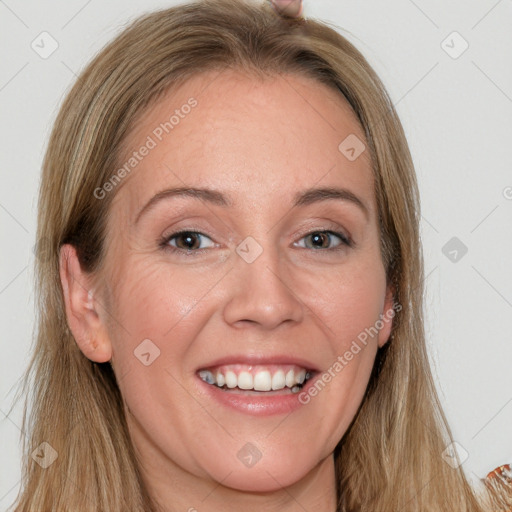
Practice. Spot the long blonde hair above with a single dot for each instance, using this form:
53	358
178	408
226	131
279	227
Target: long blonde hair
391	457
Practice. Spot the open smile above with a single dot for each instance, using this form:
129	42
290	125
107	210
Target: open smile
257	387
261	378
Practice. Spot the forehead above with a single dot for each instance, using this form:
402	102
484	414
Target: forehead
258	140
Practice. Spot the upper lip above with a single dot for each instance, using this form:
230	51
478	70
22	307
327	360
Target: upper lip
257	359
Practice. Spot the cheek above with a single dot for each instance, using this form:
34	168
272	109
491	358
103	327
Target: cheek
155	320
338	391
159	313
346	302
346	306
153	299
337	396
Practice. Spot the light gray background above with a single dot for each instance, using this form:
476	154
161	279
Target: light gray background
457	114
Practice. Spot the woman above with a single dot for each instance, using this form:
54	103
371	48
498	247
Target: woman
231	307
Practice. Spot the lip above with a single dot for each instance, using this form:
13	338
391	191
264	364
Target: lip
262	360
257	403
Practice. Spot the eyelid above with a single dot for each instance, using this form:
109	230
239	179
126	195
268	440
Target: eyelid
344	241
327	227
165	240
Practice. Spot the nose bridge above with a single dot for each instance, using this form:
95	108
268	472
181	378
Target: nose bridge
262	292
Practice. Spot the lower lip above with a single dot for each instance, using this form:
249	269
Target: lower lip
261	404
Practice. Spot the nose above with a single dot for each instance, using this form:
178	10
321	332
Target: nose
262	293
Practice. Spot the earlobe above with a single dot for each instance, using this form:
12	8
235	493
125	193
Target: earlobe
81	308
386	319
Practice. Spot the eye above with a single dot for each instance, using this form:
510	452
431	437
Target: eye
322	239
188	241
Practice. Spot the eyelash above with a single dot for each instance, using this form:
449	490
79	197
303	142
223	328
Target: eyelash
163	243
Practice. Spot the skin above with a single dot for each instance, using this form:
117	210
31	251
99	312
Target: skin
259	142
290	8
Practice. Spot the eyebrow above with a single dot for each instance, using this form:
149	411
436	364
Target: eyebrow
304	198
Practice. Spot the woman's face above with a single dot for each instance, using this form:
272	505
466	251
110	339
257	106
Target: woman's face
269	292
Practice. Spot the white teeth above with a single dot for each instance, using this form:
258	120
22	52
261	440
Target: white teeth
245	380
262	381
231	380
278	380
301	377
290	379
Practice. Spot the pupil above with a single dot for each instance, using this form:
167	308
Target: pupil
189	240
318	237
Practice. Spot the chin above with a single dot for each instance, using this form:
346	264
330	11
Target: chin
262	477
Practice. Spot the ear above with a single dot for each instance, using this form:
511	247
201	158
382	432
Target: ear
87	327
387	316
